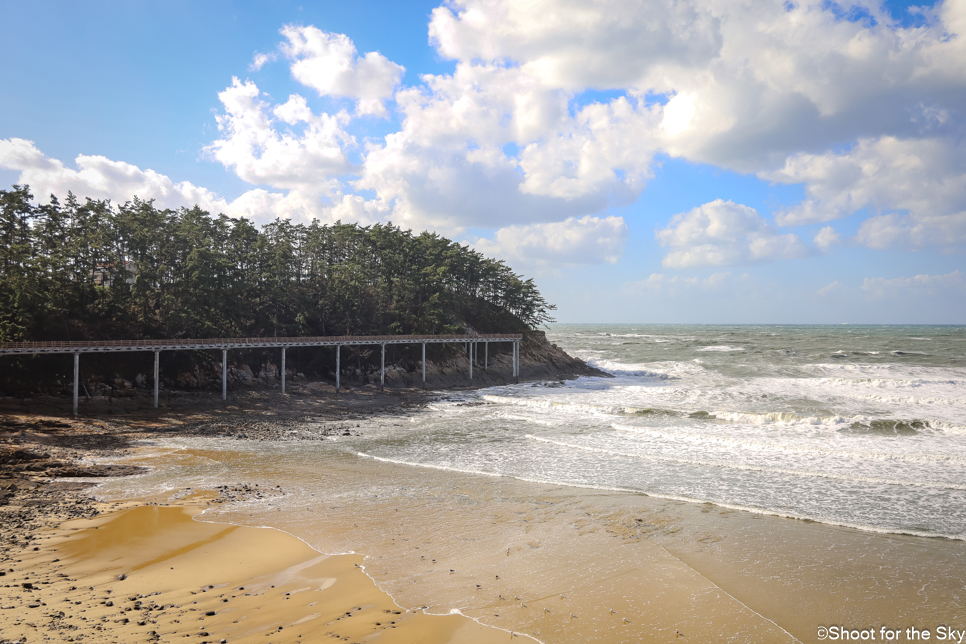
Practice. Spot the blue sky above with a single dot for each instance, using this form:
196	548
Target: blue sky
664	162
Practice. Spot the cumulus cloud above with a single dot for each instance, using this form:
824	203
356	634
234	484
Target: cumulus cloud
98	177
827	237
926	178
748	83
575	45
588	240
832	290
723	233
865	113
508	139
448	164
329	63
766	87
260	154
951	284
259	60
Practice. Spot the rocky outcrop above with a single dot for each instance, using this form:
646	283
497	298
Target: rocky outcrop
539	360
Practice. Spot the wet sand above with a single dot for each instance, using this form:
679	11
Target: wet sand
572	565
556	563
150	573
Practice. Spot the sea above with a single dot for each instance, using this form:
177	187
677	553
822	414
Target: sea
858	426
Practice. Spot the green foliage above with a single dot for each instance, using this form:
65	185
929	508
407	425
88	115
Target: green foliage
94	271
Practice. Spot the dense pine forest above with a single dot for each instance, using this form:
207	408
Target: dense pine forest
93	270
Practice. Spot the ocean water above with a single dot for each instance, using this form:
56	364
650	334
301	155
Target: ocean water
854	426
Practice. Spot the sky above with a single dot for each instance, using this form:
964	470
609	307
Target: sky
669	161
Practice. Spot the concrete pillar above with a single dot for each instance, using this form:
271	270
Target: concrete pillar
516	362
382	369
338	368
471	359
224	374
486	355
76	379
157	365
424	363
283	371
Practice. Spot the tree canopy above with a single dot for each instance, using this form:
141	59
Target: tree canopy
92	270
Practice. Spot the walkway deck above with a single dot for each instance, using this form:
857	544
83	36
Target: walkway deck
224	344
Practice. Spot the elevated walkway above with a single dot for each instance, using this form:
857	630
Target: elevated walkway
225	344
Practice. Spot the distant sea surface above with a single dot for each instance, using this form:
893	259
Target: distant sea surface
861	426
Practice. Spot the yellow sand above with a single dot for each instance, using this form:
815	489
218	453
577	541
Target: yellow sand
153	574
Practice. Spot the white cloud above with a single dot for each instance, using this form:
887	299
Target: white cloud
950	285
924	177
509	140
832	290
98	177
762	87
827	237
588	240
329	64
915	231
723	233
260	60
749	83
307	164
448	165
574	45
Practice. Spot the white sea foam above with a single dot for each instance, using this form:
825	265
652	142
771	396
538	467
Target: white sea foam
777	445
618	368
782	418
870	440
731	465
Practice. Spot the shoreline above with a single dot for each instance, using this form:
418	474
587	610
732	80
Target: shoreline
701	570
681	499
573	565
121	557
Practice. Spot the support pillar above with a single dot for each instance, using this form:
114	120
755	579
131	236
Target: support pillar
516	362
486	355
471	359
157	364
338	368
424	364
283	371
76	379
382	368
224	374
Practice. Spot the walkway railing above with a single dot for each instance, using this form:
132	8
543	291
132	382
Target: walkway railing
224	344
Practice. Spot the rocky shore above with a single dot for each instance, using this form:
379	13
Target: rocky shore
40	442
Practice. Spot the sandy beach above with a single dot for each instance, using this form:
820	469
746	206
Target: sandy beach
513	558
149	573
